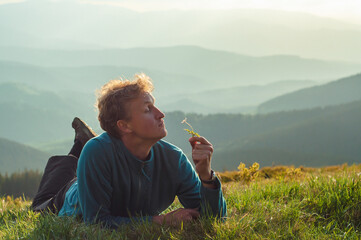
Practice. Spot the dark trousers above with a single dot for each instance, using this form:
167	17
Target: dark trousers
59	175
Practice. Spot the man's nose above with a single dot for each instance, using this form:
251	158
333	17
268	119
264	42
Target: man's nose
160	114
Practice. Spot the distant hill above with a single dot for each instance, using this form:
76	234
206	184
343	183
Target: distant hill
337	92
32	115
216	68
17	157
231	100
25	123
21	93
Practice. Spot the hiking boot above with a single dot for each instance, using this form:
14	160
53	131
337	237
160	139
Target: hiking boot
82	131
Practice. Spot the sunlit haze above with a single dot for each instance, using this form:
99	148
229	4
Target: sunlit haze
349	10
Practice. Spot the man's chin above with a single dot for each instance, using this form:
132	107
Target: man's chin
165	133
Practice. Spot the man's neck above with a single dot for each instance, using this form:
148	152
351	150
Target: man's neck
139	148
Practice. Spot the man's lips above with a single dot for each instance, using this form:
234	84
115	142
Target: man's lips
161	124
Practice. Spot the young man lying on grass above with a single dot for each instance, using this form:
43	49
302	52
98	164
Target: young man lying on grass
128	173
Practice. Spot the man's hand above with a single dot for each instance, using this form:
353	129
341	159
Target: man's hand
202	151
177	216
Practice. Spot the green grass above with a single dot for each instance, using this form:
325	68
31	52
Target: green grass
316	205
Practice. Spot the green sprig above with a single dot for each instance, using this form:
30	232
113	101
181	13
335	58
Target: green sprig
191	132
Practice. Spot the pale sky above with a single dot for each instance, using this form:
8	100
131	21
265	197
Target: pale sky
343	9
349	10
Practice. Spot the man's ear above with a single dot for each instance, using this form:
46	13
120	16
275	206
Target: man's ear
123	126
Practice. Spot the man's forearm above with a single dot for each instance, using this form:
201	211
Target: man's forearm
212	201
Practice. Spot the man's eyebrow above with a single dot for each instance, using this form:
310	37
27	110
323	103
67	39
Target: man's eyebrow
152	100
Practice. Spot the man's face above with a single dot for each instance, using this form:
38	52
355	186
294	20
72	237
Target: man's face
146	120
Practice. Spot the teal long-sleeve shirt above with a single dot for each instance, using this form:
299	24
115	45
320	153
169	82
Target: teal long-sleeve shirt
114	187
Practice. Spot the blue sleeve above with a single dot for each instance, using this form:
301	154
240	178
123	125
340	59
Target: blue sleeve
95	189
192	193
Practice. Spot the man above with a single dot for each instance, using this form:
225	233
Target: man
128	174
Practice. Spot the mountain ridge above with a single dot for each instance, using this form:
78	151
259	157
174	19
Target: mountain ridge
228	69
332	93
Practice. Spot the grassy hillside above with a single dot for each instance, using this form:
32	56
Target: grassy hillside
17	157
337	92
290	204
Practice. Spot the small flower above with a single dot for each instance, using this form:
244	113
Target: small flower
192	132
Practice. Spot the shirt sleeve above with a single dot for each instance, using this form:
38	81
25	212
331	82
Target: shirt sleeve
192	193
95	189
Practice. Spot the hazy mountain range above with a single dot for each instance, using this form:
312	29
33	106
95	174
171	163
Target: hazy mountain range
40	101
186	78
212	69
49	113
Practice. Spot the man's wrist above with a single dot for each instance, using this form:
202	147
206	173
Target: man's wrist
210	179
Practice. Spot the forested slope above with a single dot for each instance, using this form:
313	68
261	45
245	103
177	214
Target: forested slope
316	137
337	92
17	157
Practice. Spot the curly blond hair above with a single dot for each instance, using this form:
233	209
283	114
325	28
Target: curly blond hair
113	98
